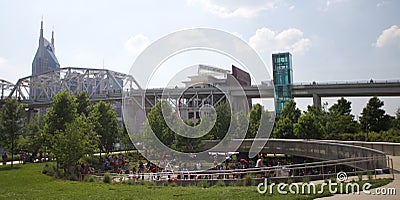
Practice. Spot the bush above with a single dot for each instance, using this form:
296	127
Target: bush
220	183
233	184
130	182
107	178
48	170
89	178
248	180
71	177
203	184
360	176
306	179
151	183
369	174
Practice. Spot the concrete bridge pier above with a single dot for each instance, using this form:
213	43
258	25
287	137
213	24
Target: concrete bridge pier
316	100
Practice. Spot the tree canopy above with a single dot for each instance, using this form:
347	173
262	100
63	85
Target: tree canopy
11	118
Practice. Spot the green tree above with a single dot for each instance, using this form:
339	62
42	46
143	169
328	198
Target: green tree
75	141
340	120
284	128
240	125
125	139
33	130
254	120
289	116
257	116
67	134
290	111
83	103
63	111
185	144
342	107
156	122
397	121
104	119
12	122
373	117
307	127
222	122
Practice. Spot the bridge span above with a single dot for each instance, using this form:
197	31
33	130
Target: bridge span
346	89
108	85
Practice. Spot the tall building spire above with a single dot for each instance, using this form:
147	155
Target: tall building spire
52	40
41	41
41	29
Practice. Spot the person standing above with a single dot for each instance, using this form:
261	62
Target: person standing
4	157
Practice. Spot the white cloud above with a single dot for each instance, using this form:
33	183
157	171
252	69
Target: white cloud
267	41
389	37
234	8
292	7
137	43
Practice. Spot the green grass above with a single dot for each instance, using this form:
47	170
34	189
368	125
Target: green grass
27	182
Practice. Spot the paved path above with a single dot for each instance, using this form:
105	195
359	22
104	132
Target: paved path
394	184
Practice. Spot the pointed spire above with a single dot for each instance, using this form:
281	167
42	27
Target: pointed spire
41	28
52	40
52	37
41	40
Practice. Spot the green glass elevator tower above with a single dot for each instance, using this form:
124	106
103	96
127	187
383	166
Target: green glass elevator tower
283	79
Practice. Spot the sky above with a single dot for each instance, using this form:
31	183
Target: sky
330	40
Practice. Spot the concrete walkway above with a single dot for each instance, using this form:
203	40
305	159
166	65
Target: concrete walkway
394	184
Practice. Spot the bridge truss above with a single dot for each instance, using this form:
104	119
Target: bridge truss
6	88
100	84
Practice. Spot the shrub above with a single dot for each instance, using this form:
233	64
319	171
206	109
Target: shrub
306	179
369	174
233	184
89	178
151	183
203	184
333	179
71	177
248	180
360	176
130	182
48	170
220	183
107	178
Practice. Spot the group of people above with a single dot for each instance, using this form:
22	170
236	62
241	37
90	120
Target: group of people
86	169
25	156
116	164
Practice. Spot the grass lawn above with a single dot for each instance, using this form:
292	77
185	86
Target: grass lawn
27	182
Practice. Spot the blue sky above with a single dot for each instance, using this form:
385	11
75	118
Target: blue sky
331	40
